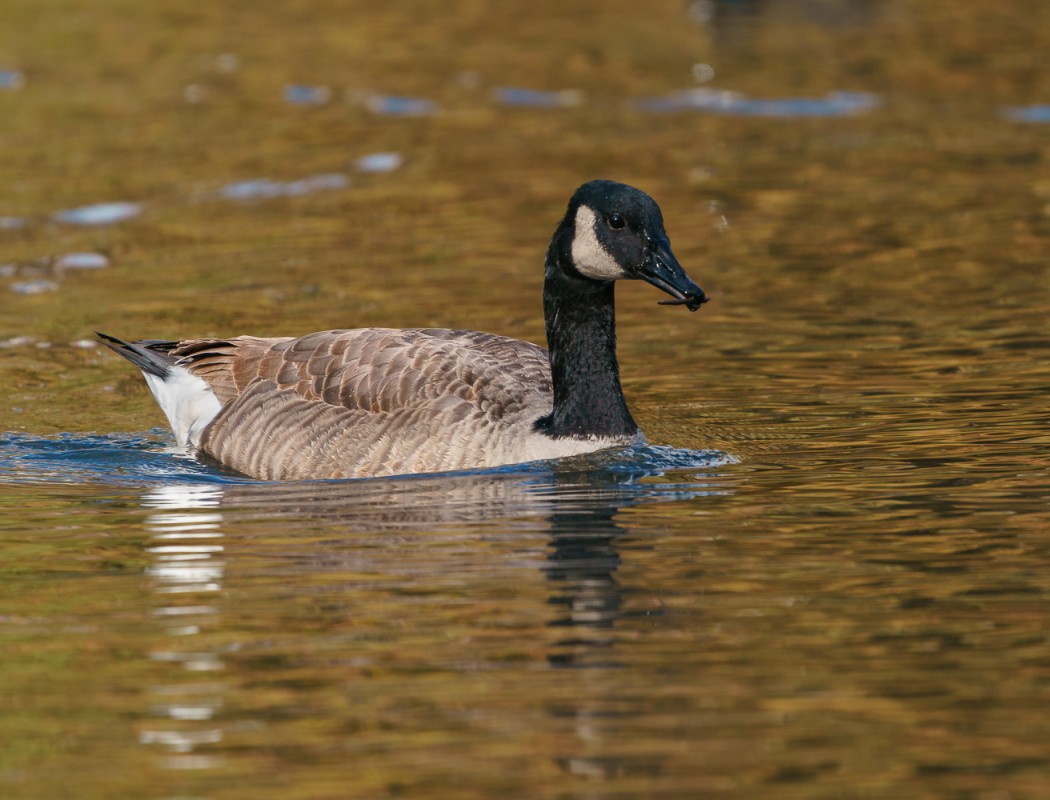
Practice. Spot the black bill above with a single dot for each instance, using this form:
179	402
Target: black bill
663	271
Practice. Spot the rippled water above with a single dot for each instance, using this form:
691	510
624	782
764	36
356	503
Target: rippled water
826	577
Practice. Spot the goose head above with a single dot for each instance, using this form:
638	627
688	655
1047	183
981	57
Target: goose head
612	232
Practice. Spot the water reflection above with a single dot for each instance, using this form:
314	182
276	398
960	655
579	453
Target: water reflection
734	18
99	213
1028	113
194	543
188	568
583	558
534	98
265	188
394	106
11	79
307	95
720	101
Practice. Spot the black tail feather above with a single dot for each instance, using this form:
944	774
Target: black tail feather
149	356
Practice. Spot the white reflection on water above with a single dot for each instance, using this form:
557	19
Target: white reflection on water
186	561
99	213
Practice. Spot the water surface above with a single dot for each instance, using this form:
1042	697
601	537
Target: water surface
826	577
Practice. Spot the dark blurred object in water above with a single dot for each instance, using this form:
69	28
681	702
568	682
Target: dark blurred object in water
730	19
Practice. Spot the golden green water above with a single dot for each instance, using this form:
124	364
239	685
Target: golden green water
854	605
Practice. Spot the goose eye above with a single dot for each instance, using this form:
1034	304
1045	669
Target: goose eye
616	221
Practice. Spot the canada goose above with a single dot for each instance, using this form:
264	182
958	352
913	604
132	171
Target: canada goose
377	401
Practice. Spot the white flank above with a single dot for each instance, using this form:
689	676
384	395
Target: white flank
186	401
588	255
540	447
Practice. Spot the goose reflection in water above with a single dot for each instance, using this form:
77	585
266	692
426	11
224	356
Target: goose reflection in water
576	502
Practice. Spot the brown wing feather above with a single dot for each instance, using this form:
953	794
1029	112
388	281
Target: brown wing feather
227	365
367	401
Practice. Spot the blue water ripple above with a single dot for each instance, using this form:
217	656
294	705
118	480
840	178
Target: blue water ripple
394	106
1028	113
717	101
375	163
99	213
264	188
150	458
534	98
11	79
307	95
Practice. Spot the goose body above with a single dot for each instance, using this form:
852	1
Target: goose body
377	401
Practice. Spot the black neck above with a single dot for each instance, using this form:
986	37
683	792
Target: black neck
581	338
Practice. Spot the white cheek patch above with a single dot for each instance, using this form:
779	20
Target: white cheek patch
590	258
